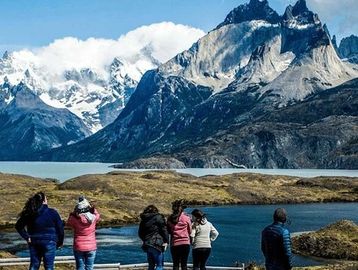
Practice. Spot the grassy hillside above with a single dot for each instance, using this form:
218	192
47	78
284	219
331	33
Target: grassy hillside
121	196
336	241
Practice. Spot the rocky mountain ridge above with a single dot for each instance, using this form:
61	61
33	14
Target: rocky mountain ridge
249	67
348	49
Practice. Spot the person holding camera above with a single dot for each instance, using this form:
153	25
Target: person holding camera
83	221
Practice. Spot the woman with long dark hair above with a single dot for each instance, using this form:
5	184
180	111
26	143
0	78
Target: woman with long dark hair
153	232
42	228
179	227
203	232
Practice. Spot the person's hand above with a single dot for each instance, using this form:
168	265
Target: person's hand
93	204
165	246
29	240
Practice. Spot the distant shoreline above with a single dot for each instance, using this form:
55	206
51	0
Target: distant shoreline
122	195
64	171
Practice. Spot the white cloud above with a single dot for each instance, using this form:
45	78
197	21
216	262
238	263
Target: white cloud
341	16
166	40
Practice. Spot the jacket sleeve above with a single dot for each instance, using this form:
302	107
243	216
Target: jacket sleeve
70	221
189	226
287	248
141	231
169	227
98	216
20	227
59	228
193	230
263	243
163	231
213	233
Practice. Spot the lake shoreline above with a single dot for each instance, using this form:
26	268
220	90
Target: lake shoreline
117	224
122	195
64	171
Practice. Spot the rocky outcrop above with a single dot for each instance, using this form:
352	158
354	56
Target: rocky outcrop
336	241
162	163
254	10
348	49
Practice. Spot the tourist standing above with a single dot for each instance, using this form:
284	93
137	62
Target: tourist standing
43	230
179	227
203	232
83	221
276	243
153	232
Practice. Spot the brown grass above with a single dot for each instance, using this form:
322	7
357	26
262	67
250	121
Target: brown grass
121	196
336	241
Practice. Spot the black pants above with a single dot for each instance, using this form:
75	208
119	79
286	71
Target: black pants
180	256
200	256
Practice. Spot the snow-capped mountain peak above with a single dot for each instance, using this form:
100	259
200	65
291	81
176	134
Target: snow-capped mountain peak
299	16
94	78
255	47
85	92
254	10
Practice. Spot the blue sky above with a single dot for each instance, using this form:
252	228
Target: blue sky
35	23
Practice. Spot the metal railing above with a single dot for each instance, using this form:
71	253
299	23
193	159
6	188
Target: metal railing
109	266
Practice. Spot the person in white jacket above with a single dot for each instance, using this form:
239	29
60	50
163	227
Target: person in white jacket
202	234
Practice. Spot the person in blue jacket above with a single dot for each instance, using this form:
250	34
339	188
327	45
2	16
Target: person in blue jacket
43	230
276	243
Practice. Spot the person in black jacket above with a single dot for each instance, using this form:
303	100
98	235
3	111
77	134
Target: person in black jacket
153	232
276	243
43	230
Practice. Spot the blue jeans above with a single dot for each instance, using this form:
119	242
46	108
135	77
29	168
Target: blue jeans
155	259
84	259
45	250
272	266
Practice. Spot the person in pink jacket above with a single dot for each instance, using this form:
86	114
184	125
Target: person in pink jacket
83	221
179	228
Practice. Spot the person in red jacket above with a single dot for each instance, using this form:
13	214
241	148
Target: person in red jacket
179	228
83	221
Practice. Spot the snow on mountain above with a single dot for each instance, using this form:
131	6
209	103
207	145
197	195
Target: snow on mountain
85	91
266	63
316	65
216	58
298	61
94	78
254	64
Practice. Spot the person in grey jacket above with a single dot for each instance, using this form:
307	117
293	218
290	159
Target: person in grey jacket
202	234
276	243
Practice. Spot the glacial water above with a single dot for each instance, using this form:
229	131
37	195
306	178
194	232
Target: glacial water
63	171
239	228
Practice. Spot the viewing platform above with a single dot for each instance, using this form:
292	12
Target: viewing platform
110	266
